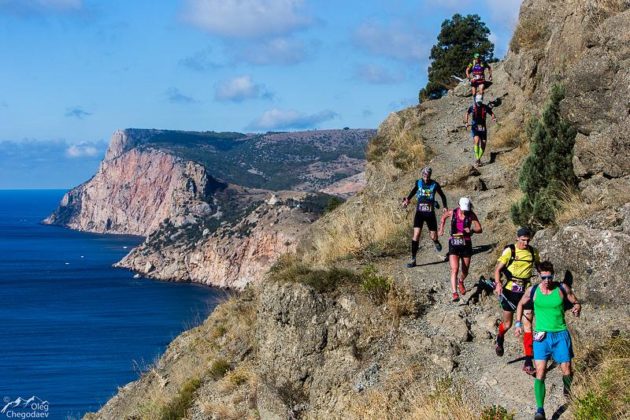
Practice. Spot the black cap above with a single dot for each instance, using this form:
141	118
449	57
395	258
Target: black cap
523	231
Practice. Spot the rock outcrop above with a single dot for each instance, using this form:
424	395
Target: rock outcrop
133	191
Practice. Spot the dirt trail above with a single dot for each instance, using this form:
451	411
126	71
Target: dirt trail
499	380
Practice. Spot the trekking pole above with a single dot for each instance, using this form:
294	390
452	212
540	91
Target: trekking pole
501	296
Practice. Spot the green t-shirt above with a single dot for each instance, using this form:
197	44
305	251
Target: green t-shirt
549	311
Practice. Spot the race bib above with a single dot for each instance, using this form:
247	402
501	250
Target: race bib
480	128
425	207
457	241
539	335
477	77
517	288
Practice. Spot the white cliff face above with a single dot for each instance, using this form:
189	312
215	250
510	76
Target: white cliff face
133	192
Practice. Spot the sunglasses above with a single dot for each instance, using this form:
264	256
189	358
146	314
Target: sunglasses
550	278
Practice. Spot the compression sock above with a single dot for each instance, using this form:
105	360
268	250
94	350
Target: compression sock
528	344
476	150
539	391
481	150
501	330
566	382
414	248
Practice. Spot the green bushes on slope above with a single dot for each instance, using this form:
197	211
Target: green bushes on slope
548	170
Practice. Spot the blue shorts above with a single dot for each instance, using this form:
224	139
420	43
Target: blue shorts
555	344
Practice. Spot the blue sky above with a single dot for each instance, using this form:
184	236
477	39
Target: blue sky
73	71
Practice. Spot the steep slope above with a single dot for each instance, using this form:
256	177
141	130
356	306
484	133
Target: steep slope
322	343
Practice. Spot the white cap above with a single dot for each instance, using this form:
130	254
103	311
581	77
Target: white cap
465	204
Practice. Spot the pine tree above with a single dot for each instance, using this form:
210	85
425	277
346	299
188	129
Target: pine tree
548	169
459	38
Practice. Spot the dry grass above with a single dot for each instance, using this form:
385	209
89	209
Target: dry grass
399	141
531	33
406	399
377	226
509	134
602	381
573	206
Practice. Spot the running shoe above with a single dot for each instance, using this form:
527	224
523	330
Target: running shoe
412	264
498	347
460	286
455	297
540	414
438	246
529	368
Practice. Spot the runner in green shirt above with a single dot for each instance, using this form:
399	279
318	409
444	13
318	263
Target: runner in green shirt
551	337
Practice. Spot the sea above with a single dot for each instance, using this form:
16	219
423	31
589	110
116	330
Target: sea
73	328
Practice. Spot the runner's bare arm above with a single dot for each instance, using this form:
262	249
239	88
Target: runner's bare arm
519	312
577	307
445	216
498	287
476	226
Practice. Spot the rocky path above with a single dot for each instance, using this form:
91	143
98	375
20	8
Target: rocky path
471	326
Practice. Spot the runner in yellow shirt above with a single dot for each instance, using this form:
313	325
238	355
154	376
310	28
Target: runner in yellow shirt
516	263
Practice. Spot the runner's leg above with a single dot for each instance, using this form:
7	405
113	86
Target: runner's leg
454	261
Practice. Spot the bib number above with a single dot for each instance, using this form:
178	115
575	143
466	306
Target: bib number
480	128
517	288
458	241
477	76
540	335
425	207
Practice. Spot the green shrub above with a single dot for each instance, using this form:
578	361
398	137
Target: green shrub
219	368
548	170
333	203
496	412
289	269
178	407
601	389
374	285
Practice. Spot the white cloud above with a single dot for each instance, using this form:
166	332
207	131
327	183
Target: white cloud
246	18
238	89
396	40
376	74
40	6
282	51
82	150
175	96
276	119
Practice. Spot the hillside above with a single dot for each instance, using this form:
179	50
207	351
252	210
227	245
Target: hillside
343	330
205	200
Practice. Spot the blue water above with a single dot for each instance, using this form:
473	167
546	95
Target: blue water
73	328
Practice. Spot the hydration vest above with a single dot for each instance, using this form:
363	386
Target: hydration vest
478	71
426	193
455	217
479	115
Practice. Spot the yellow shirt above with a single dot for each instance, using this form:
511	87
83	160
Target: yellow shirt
523	265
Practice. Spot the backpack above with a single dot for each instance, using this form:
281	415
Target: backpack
566	302
424	189
475	113
513	253
467	221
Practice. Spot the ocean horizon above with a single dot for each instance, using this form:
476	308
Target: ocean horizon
75	328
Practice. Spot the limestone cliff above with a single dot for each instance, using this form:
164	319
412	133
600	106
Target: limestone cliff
133	191
163	185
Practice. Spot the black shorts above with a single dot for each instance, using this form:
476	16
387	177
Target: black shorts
422	217
478	82
460	250
483	134
514	298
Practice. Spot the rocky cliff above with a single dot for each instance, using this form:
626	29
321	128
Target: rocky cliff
133	191
343	330
163	185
